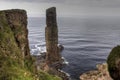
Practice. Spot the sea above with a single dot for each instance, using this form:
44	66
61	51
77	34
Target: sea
87	41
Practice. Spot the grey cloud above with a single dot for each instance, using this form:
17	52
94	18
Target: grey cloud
67	7
86	3
95	3
42	1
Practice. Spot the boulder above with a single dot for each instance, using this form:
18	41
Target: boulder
113	62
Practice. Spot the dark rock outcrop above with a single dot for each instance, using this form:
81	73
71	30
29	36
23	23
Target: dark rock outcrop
51	35
53	62
113	62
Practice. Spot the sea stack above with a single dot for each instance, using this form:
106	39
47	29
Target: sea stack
51	35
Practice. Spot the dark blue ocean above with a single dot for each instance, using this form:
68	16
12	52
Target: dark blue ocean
87	40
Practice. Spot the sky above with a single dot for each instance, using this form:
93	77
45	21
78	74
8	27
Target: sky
68	8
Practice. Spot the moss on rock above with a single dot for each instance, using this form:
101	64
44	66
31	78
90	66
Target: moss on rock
113	62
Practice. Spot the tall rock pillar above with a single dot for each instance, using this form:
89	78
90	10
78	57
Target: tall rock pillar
51	36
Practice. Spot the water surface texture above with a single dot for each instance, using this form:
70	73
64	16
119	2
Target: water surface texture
87	41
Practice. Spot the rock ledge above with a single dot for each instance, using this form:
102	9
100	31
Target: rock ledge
100	74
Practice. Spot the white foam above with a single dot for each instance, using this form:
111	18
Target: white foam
33	52
35	46
58	44
65	61
64	72
63	58
38	49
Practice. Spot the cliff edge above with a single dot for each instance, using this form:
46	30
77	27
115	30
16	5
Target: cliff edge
13	41
15	60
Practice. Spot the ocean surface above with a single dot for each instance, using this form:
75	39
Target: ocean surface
87	41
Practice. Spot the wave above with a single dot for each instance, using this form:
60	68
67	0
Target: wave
64	72
65	61
38	49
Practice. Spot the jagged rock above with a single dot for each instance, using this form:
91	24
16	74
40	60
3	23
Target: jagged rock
113	62
100	74
51	36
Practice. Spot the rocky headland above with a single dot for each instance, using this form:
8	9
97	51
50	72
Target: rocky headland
16	63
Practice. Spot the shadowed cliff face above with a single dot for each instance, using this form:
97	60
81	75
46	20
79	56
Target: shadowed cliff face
17	20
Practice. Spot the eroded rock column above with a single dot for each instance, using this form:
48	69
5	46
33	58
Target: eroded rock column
51	36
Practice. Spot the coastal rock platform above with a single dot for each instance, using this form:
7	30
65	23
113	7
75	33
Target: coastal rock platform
100	74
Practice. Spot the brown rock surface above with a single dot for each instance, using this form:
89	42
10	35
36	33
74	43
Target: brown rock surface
100	74
51	35
53	61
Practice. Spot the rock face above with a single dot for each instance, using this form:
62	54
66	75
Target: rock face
17	20
51	36
113	62
53	62
15	60
13	23
14	45
100	74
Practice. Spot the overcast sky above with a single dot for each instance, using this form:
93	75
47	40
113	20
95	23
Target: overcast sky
66	7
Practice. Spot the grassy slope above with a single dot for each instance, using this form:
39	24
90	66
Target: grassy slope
12	66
